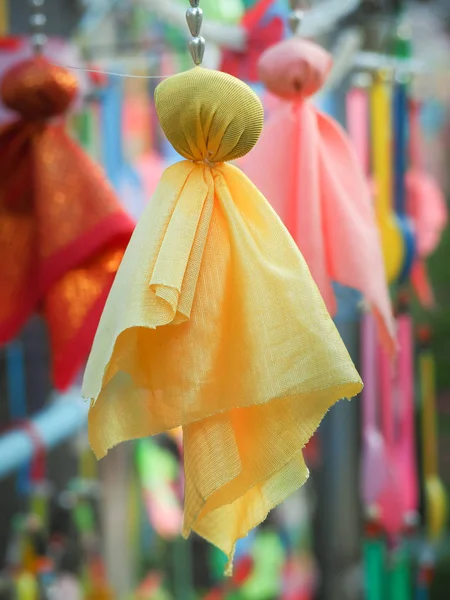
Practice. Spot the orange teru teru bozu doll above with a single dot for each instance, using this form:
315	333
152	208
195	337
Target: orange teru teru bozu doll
62	230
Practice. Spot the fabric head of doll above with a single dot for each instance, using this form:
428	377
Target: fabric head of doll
209	116
295	69
38	90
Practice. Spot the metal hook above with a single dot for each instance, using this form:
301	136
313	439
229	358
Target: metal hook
297	15
194	18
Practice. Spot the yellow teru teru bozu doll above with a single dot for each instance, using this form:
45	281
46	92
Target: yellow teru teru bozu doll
214	323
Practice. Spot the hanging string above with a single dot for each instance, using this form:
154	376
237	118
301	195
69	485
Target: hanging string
194	18
111	73
363	60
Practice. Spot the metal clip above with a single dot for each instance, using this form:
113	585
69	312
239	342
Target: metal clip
297	15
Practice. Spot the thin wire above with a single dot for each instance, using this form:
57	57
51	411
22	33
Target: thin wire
111	73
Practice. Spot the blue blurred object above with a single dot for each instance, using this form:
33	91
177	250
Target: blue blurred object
422	593
111	119
245	545
170	154
132	191
258	88
348	302
279	8
121	175
327	103
433	117
17	398
55	424
400	119
16	381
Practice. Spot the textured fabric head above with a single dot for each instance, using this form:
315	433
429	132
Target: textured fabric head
203	116
315	182
62	230
214	324
295	68
38	90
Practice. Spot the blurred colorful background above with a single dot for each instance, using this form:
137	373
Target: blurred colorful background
73	528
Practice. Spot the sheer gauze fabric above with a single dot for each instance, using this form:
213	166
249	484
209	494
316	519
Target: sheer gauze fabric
214	323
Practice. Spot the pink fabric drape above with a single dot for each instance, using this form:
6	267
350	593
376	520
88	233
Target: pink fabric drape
307	168
427	208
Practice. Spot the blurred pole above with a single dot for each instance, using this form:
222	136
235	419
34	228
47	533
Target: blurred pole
183	569
338	527
338	518
115	476
62	17
65	417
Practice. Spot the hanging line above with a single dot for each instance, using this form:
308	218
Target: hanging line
111	73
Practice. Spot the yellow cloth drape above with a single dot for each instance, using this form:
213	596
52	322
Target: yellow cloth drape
215	324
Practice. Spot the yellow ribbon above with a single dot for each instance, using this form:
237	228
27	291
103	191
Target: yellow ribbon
382	156
4	18
436	498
